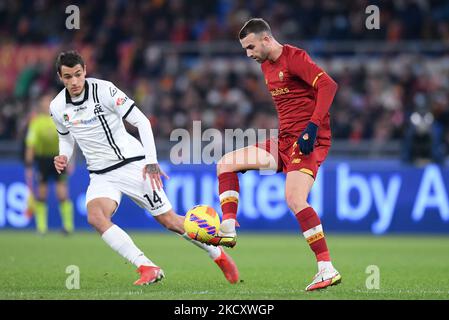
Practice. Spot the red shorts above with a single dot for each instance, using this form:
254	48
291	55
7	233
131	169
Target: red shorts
288	157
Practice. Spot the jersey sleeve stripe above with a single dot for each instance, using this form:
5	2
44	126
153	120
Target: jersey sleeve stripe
129	110
316	78
62	133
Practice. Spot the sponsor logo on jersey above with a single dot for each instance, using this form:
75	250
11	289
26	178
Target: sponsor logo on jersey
121	101
80	109
279	91
66	117
281	76
82	121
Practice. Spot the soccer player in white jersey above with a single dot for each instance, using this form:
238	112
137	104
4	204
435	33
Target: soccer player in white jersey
90	112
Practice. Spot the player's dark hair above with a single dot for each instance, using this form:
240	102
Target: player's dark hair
254	25
68	59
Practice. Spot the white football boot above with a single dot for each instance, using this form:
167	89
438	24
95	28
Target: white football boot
324	278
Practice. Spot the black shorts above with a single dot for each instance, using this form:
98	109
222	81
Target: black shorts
46	170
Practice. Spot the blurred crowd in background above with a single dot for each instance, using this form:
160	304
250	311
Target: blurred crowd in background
401	97
107	22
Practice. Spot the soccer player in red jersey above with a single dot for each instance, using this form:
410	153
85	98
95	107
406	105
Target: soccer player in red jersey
302	93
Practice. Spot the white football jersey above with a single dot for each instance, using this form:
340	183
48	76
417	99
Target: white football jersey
96	124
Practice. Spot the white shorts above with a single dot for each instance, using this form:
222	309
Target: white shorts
128	180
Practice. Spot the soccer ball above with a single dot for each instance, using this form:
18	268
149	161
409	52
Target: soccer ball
202	223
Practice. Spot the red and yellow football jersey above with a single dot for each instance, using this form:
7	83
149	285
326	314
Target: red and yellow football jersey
291	80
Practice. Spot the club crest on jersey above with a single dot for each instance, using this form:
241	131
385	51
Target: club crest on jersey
98	110
281	76
66	117
121	101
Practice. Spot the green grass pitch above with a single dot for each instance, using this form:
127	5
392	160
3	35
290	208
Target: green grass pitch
272	266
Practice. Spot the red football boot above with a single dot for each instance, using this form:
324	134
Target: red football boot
228	266
149	275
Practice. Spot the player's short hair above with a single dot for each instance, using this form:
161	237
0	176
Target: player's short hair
254	25
69	59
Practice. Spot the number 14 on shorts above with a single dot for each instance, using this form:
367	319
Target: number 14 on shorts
153	199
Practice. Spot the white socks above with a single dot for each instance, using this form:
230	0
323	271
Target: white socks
227	227
214	252
327	265
120	241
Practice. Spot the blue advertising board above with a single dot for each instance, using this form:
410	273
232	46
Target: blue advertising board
350	196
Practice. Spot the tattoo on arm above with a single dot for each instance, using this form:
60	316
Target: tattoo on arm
153	168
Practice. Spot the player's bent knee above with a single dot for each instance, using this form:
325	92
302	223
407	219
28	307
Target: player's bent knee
295	203
92	219
220	167
223	167
96	218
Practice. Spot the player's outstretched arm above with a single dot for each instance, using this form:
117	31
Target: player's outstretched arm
152	169
326	88
302	66
136	118
66	147
66	144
